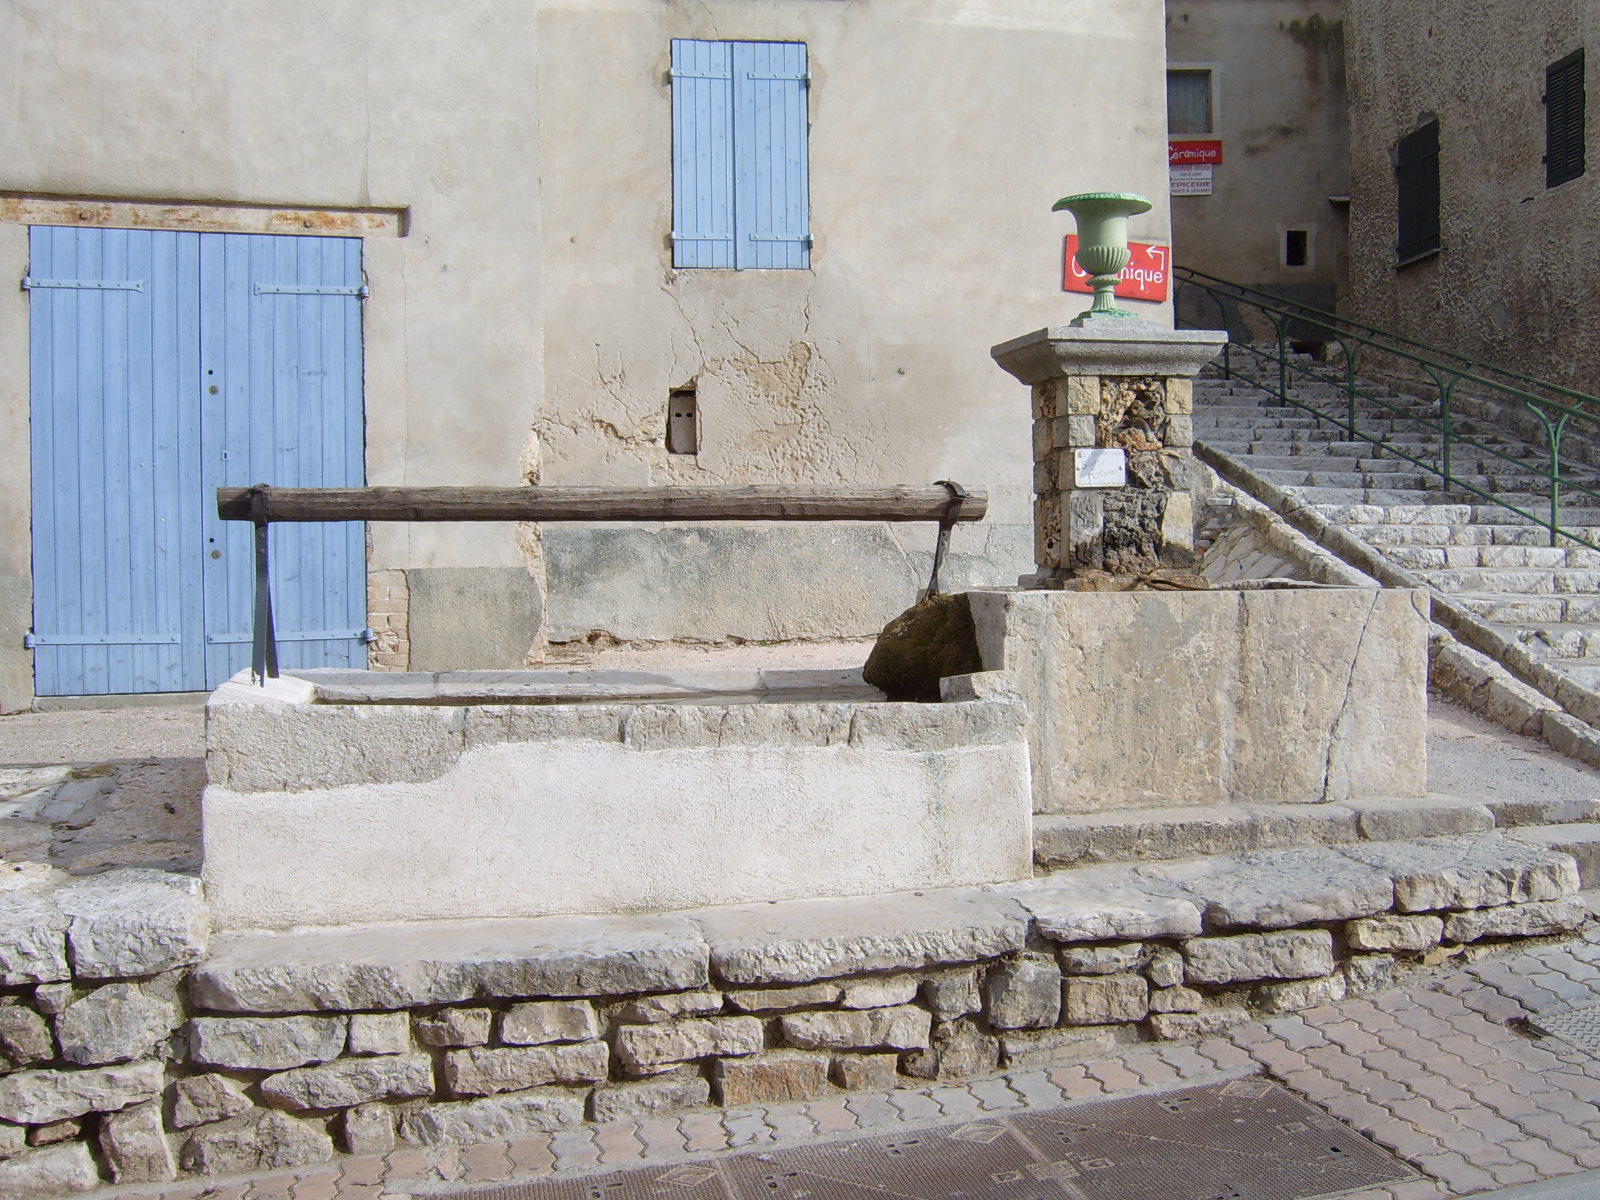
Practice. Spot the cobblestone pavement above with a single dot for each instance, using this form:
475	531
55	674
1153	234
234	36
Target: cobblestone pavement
1445	1073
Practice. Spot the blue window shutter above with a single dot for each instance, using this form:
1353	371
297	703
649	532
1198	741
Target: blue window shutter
702	154
771	218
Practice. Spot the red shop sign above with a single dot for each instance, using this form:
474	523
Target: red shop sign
1206	152
1146	277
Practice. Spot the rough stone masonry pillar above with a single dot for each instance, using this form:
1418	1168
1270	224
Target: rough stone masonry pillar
1113	427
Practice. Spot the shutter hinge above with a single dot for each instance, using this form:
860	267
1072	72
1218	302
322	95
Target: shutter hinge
27	640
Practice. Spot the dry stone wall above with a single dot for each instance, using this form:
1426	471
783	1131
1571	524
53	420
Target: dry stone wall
132	1050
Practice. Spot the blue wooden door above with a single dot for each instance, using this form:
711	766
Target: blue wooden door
163	365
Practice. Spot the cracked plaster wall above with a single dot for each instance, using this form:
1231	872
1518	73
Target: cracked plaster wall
941	132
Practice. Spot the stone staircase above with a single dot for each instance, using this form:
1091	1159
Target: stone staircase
1491	562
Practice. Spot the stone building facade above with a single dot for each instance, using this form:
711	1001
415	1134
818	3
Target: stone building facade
1266	78
1508	276
525	311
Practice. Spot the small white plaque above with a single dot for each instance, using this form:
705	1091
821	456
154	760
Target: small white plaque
1099	468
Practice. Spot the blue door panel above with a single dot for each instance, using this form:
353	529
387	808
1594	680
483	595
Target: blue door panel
138	587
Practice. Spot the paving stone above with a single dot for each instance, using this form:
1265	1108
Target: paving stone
1392	819
1028	1048
1175	999
55	1131
1280	889
51	998
1103	905
447	962
51	1171
1165	969
496	1119
960	1050
1537	919
1301	993
116	1023
1106	960
266	1141
368	1129
1468	872
454	1027
33	940
806	940
1299	954
135	1147
36	1097
1105	1000
201	1099
1394	932
379	1033
1024	993
904	1028
543	1021
1173	1026
132	922
762	1000
880	993
866	1072
1368	973
486	1071
773	1078
650	1009
350	1081
663	1093
647	1047
952	994
265	1043
24	1037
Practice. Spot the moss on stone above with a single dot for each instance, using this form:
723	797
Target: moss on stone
930	641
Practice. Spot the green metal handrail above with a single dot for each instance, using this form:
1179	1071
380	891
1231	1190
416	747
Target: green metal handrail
1445	368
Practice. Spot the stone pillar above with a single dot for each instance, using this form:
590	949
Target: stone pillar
1113	468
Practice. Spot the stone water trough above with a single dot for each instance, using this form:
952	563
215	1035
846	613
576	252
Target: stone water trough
341	797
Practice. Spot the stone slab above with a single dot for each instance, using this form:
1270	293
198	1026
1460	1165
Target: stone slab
1283	696
809	940
1161	833
1433	874
1105	905
624	807
130	923
398	967
1279	889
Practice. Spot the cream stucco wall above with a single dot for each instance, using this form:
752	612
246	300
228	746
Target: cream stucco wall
940	134
1515	280
1279	108
403	104
528	324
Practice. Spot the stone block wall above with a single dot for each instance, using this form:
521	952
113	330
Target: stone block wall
125	1056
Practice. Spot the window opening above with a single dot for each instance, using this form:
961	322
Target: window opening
1416	174
1563	120
1296	248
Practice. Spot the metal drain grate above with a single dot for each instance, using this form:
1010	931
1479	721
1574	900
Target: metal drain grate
1244	1140
1579	1027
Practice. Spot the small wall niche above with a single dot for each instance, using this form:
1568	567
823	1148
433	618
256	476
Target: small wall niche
683	421
1296	247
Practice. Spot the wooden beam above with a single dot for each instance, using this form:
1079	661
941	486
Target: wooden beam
740	503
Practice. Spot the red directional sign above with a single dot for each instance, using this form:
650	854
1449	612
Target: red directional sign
1146	277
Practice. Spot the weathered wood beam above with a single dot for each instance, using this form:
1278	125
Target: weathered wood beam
738	503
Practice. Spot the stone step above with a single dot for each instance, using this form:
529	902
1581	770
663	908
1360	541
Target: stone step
1429	533
1584	673
1080	839
1429	557
1399	480
1526	581
1556	640
1438	509
1530	610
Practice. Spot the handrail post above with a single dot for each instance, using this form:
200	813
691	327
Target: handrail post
1349	382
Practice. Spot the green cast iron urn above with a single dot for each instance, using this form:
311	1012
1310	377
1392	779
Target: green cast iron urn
1103	242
